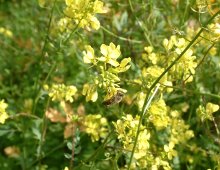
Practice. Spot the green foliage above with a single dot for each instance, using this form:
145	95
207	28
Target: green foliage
103	84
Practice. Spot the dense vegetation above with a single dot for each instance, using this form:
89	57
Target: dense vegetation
109	84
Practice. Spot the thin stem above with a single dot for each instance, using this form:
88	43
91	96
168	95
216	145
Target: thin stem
151	98
48	154
144	29
36	89
43	134
216	127
121	38
52	68
193	91
38	94
73	147
48	32
139	124
201	61
94	155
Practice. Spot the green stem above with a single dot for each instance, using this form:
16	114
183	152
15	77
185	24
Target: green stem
37	89
203	58
194	92
95	154
120	38
43	134
52	68
144	29
48	154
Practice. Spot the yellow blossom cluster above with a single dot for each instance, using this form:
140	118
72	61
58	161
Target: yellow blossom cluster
179	132
169	149
81	13
206	113
158	114
213	32
108	67
185	67
154	64
96	126
158	162
3	114
210	35
126	129
61	92
215	27
162	117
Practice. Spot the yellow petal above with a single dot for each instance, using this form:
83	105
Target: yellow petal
94	96
113	62
104	49
125	61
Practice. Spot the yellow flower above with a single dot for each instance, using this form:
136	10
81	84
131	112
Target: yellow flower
82	12
64	24
90	92
61	92
89	56
94	22
148	49
158	114
140	100
110	54
126	129
152	73
211	108
96	126
206	112
124	66
3	114
170	151
66	168
215	28
168	44
98	7
105	77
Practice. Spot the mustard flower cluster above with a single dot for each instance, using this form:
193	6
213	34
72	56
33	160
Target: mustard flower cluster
157	62
126	129
3	114
96	126
180	132
162	117
154	64
107	69
61	92
210	35
158	114
185	67
206	113
159	163
81	13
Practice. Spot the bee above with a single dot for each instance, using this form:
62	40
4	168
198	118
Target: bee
117	98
